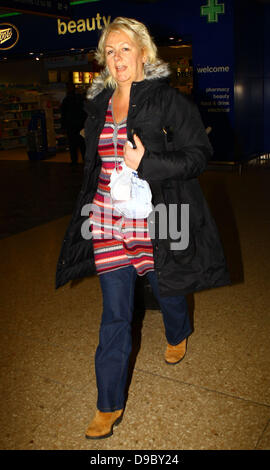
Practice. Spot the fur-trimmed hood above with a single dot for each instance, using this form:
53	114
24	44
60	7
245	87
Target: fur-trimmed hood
151	71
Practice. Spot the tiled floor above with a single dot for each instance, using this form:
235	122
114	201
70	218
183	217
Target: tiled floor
217	398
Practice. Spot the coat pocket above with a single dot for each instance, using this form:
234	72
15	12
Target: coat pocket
180	229
151	136
168	138
186	255
181	235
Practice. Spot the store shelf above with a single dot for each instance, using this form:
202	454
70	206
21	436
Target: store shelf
16	114
13	137
60	135
16	127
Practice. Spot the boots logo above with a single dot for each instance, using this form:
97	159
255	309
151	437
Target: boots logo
9	36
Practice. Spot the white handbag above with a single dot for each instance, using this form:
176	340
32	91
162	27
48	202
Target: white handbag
131	196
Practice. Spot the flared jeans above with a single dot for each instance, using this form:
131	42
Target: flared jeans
115	339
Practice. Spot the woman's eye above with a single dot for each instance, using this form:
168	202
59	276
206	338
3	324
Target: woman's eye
109	52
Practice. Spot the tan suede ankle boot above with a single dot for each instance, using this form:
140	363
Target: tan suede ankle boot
175	354
102	424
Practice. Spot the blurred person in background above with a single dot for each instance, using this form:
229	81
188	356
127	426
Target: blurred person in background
72	119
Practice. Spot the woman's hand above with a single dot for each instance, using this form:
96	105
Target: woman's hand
133	156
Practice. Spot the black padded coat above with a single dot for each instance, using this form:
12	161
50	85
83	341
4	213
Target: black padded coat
176	152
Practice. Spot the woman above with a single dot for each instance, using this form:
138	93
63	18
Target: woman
132	101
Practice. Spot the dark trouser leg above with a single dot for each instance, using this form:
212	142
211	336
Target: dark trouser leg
113	351
175	313
73	146
81	144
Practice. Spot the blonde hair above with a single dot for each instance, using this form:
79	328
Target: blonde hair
137	31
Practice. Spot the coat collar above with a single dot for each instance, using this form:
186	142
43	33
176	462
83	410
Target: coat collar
159	70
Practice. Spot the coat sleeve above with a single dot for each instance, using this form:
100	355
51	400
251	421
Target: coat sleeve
187	154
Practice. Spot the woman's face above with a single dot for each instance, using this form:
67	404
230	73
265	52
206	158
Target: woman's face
124	58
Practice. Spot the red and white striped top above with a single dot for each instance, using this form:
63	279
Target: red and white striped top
117	241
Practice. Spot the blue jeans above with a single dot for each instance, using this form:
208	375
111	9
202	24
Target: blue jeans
115	343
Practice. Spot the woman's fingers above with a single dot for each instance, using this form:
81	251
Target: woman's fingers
138	142
133	156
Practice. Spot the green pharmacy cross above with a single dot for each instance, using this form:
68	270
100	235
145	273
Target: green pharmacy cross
212	10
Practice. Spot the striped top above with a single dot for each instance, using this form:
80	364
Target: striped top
118	242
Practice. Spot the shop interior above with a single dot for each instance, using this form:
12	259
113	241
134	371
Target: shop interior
34	87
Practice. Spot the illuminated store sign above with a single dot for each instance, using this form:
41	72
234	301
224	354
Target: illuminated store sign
38	7
212	10
9	36
82	25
